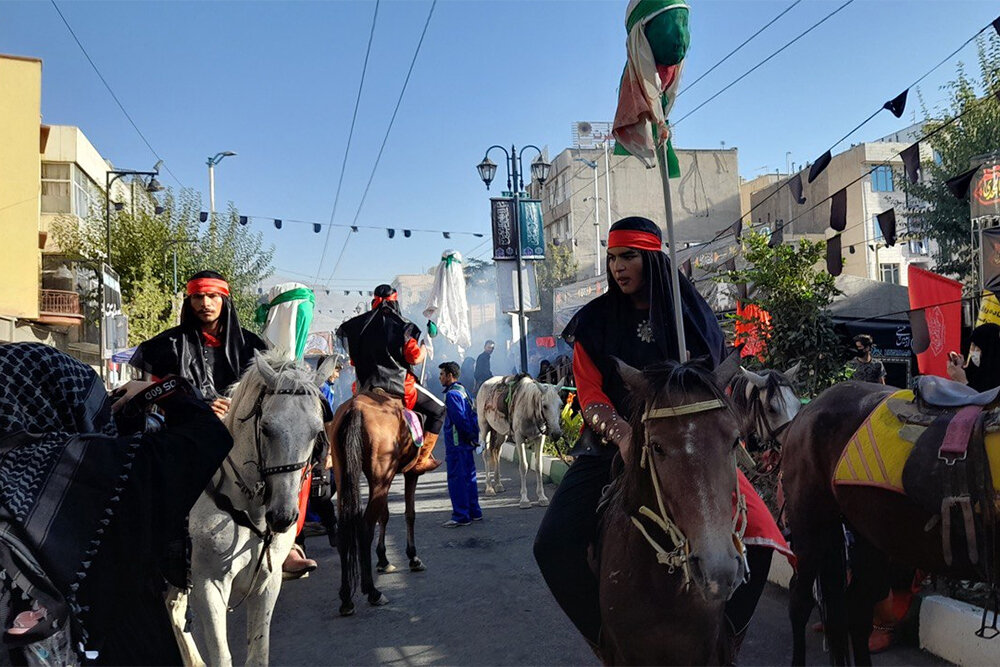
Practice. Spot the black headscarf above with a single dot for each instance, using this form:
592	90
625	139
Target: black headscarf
986	375
180	350
598	326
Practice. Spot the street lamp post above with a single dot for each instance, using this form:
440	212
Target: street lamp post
212	161
109	178
174	244
515	183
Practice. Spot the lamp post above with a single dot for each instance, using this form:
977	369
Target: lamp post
515	184
109	178
597	217
212	161
174	244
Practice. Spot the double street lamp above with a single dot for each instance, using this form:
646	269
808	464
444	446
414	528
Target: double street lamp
113	175
515	184
212	161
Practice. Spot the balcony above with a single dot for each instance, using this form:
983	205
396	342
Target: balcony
59	307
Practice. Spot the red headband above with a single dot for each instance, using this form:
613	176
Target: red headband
379	299
208	286
622	238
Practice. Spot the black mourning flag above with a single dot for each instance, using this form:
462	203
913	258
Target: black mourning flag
838	212
911	162
277	223
887	223
447	235
897	105
834	260
821	163
391	232
921	335
738	228
407	233
795	185
244	220
203	216
996	24
354	228
317	227
959	185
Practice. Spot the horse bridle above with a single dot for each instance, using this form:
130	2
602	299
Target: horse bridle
679	556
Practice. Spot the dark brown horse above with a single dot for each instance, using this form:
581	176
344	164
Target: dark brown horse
368	436
670	555
885	525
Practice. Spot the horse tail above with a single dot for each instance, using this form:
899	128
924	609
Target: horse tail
352	528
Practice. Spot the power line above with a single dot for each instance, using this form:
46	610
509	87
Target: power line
350	136
115	97
340	256
765	60
733	52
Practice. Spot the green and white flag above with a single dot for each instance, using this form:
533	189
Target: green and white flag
286	316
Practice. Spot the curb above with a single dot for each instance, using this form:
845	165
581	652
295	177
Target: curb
553	469
947	627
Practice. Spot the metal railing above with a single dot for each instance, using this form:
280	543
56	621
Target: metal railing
59	302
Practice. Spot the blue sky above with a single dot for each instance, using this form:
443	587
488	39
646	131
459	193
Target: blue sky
276	82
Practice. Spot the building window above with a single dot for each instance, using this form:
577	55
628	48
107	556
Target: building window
919	246
889	273
56	188
86	194
882	179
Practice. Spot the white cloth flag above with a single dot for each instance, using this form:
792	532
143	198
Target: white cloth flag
289	314
447	306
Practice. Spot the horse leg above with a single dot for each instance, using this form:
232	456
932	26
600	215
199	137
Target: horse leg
869	584
543	501
495	457
176	600
377	504
487	450
833	590
410	494
209	600
259	610
800	605
384	566
523	467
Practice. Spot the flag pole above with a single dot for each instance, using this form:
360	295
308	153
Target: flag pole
675	285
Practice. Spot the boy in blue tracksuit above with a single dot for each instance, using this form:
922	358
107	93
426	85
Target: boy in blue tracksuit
461	434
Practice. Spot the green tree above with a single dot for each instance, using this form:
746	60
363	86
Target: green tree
941	216
797	294
558	269
142	255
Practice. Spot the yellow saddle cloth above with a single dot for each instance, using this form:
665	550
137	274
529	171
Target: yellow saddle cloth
876	453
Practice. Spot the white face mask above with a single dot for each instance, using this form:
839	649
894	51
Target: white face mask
975	356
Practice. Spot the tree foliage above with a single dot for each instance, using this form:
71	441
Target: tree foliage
790	285
142	253
940	216
558	269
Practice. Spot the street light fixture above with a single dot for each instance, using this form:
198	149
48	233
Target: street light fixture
110	177
174	244
515	183
212	161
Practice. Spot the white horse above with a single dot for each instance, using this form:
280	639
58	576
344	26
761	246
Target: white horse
523	410
243	525
767	402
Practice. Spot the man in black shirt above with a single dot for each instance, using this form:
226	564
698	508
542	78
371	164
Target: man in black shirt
483	372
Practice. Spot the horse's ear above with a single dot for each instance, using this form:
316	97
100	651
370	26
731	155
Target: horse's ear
793	371
755	379
268	374
632	377
560	383
325	370
726	369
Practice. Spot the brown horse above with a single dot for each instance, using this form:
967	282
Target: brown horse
670	555
369	436
884	524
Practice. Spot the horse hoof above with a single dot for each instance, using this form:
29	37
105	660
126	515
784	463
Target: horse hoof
380	601
543	502
347	609
490	492
500	488
525	504
386	569
417	565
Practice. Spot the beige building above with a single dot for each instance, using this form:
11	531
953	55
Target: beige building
705	199
864	250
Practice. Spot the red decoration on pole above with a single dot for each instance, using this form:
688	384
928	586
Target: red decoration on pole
940	299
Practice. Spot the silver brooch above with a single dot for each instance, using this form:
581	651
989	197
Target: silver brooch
645	331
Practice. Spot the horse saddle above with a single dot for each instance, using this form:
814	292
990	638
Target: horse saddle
944	393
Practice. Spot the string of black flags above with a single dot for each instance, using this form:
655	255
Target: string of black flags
317	227
958	185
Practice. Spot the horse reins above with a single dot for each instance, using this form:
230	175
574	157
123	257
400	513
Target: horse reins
242	517
679	556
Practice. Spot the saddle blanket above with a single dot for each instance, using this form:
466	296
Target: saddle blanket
876	453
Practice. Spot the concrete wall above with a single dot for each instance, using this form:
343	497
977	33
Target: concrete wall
20	146
705	199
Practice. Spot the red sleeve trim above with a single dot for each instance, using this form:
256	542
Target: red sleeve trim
589	381
412	352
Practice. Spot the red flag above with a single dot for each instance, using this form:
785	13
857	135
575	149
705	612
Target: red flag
941	301
752	328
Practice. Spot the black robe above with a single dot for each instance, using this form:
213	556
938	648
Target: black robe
375	341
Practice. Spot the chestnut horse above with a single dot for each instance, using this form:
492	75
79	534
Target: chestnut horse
369	436
885	525
670	551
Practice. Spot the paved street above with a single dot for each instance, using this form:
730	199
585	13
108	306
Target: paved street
480	602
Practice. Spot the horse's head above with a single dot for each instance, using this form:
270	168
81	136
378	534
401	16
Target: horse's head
767	399
549	407
681	473
276	419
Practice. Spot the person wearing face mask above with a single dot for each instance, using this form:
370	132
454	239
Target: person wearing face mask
981	370
866	369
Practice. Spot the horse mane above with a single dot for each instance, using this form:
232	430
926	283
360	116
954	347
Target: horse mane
292	376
